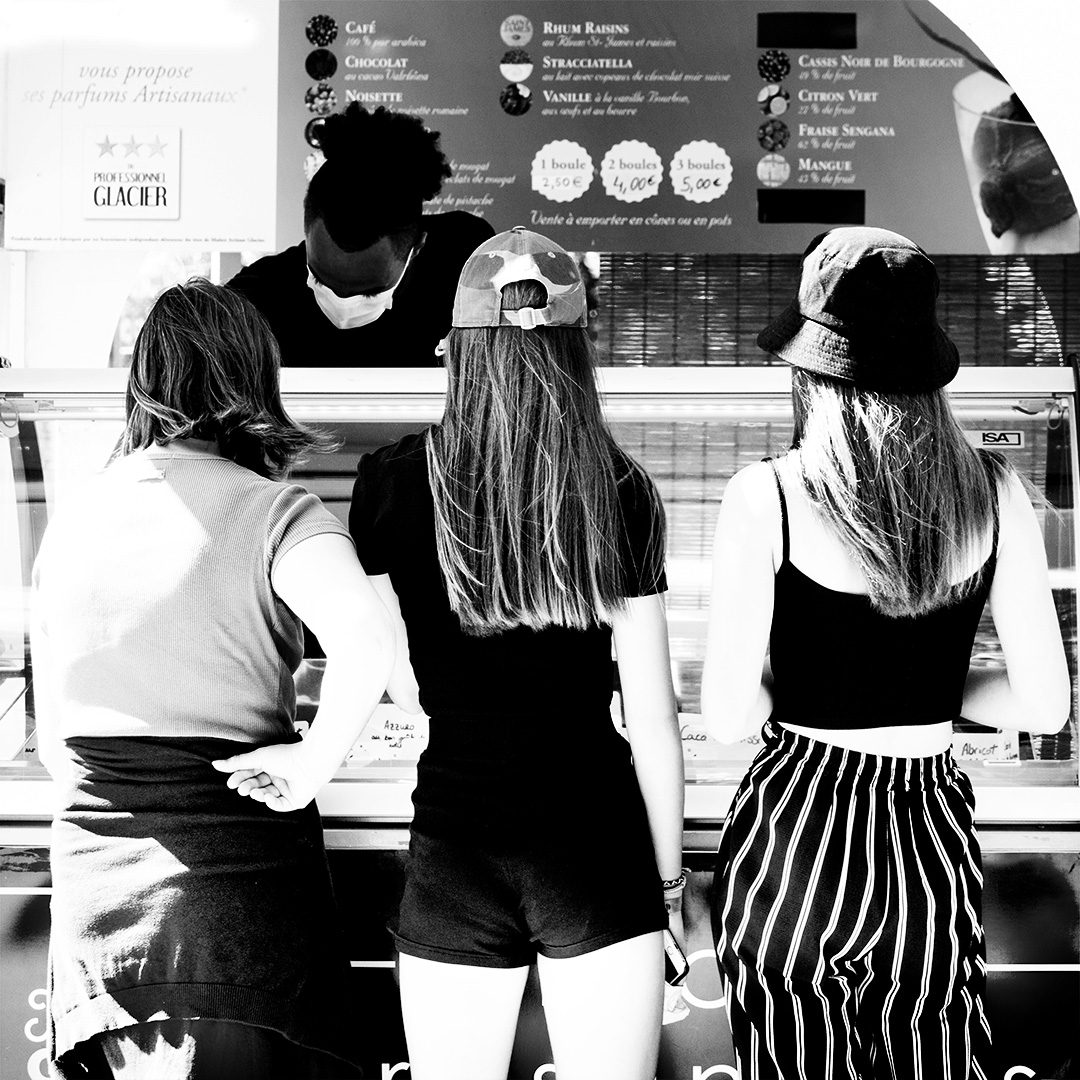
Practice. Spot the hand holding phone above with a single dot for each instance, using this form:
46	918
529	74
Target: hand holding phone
676	966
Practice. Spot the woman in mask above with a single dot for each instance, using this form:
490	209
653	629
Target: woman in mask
848	889
194	933
372	283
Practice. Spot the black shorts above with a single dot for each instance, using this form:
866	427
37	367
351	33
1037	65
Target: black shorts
470	903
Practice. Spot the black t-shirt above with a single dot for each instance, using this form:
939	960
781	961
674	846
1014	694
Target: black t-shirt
404	336
554	671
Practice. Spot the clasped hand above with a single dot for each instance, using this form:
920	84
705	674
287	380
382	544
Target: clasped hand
280	776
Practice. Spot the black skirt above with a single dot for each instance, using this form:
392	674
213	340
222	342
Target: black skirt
175	897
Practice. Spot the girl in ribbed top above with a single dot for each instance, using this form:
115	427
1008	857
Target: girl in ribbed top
849	577
194	933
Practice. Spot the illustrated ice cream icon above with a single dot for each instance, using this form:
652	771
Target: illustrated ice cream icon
515	99
516	66
773	99
1021	198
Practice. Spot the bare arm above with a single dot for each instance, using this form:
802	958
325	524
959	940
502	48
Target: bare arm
652	723
322	582
1033	692
403	688
735	696
51	749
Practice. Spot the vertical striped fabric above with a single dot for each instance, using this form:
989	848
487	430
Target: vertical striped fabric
847	917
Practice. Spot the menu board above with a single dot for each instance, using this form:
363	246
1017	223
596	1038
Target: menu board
688	125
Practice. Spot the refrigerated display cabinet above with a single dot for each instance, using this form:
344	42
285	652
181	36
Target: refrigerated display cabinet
692	428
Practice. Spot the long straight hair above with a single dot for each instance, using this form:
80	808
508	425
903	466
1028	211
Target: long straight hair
895	477
206	366
524	474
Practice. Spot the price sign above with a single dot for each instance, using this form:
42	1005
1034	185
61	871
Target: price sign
631	171
700	171
562	171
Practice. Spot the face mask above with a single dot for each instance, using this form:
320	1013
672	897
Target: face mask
348	312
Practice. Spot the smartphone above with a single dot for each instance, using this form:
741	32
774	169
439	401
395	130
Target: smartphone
676	966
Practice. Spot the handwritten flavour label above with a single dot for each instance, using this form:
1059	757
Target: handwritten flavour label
390	735
986	745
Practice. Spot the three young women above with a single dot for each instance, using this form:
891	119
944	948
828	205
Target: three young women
512	543
849	576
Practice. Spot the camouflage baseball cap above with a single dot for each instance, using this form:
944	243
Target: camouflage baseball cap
519	255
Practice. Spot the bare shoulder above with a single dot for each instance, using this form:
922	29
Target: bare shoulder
1015	509
750	511
1013	493
753	491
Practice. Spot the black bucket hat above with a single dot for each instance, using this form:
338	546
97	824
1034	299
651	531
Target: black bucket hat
866	314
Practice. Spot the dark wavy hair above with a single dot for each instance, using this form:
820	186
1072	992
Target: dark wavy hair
525	476
205	366
380	168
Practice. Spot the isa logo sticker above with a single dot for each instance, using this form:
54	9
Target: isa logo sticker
131	173
996	440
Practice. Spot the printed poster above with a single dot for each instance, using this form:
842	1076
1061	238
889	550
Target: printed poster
141	125
688	125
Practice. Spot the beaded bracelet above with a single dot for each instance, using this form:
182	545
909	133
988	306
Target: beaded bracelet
675	886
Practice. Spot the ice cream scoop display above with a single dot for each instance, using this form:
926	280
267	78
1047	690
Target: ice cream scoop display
1022	200
1021	197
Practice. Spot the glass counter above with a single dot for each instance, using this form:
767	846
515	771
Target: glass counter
691	428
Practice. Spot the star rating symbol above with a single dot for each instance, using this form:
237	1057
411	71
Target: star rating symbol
131	148
105	147
157	146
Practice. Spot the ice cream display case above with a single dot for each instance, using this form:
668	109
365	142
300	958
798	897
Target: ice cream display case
692	428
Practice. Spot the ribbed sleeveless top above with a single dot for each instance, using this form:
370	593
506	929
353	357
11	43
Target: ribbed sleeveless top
838	663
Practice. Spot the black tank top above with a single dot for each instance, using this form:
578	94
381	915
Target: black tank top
838	663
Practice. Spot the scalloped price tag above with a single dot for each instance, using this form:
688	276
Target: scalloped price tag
631	171
562	171
700	171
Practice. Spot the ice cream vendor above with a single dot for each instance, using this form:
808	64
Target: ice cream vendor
372	283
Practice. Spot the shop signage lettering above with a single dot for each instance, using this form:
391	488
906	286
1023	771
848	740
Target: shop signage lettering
130	195
375	62
587	62
838	95
586	28
132	173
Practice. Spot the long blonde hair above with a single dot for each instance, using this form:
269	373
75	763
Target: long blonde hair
524	472
893	474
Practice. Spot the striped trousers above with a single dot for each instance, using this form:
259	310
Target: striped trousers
847	917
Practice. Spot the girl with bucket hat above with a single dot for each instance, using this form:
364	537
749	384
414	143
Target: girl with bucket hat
517	540
849	577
